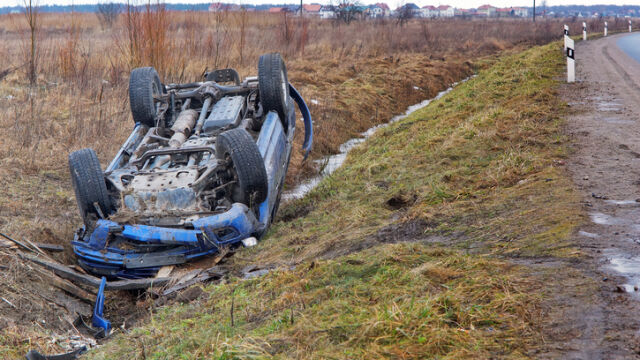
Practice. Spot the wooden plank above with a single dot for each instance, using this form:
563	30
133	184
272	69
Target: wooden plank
70	274
68	287
50	247
204	275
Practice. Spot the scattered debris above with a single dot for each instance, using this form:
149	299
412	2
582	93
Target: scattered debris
98	319
34	355
194	277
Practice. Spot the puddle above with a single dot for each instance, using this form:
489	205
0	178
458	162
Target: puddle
588	234
331	163
623	202
627	288
615	120
604	219
629	267
625	265
609	106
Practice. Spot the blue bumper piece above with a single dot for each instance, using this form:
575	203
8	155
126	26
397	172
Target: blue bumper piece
137	251
306	116
98	321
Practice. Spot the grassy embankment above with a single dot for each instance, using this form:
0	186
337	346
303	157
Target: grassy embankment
404	252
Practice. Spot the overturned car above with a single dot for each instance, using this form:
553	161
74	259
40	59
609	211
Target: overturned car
203	169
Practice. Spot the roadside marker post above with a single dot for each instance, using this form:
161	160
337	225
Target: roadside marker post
584	31
571	60
606	28
629	25
566	35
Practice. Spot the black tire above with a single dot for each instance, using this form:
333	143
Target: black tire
252	185
143	84
88	183
273	85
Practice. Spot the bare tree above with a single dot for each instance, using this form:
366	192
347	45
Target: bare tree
220	35
348	11
242	23
108	14
405	13
31	15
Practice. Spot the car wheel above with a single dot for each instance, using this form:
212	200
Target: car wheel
273	85
88	183
144	83
246	164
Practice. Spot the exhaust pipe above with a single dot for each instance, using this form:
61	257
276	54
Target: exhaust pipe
182	127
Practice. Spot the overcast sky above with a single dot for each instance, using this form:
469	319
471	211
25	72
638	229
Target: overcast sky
392	3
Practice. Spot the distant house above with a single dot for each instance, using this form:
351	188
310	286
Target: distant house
311	9
277	10
446	11
385	8
521	12
467	13
487	10
374	11
327	12
429	11
410	7
504	12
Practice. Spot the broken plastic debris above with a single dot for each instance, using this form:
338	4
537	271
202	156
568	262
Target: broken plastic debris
250	241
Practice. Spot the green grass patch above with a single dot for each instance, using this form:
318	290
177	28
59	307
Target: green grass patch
403	252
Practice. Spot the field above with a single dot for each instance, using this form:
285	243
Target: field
358	75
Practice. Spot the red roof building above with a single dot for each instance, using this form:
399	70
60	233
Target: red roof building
311	8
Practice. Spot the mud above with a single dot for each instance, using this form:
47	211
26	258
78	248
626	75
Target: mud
402	231
601	321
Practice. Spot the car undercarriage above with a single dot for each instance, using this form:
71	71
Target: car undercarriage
203	169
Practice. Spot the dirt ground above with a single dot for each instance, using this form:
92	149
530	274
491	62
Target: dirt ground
596	302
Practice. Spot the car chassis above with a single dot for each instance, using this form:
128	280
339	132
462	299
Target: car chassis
187	182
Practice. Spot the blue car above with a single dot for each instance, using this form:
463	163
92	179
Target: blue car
202	170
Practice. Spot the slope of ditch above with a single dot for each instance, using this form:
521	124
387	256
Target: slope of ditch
422	245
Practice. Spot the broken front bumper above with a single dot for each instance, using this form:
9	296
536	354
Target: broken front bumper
137	251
